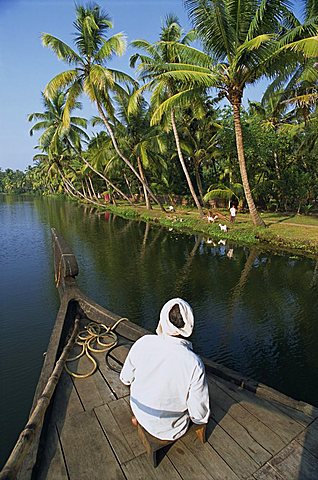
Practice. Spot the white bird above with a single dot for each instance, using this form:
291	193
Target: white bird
223	227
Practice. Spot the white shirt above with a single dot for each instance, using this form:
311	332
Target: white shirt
168	385
232	211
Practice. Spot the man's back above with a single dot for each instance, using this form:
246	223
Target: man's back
168	385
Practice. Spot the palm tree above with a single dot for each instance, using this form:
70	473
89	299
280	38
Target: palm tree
89	75
297	85
151	65
57	143
55	135
146	144
247	40
200	140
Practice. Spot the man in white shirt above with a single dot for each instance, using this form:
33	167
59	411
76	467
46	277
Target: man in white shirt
168	383
232	213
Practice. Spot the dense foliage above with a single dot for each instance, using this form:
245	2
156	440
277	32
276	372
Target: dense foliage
195	140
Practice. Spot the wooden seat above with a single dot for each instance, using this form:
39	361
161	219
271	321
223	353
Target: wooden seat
153	444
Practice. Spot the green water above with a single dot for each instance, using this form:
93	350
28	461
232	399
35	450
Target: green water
255	312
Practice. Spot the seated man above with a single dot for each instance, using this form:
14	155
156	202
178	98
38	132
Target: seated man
168	383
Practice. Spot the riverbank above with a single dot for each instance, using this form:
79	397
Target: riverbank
290	232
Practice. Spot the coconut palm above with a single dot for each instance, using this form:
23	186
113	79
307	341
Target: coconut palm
58	143
146	144
89	74
200	141
297	83
248	40
151	65
55	135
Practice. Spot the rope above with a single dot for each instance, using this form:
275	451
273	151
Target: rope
93	335
109	365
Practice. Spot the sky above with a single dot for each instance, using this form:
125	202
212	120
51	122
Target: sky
26	66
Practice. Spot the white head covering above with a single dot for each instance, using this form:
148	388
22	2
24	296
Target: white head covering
167	328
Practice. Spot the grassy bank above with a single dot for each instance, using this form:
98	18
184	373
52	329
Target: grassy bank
296	233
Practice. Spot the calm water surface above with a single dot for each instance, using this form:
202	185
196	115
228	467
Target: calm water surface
256	312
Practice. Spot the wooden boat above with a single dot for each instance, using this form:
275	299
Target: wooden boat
81	428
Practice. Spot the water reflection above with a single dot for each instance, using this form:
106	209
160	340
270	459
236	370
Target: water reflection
255	311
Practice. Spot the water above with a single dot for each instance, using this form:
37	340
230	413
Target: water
255	312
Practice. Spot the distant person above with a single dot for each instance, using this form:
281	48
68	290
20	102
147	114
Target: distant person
232	213
168	383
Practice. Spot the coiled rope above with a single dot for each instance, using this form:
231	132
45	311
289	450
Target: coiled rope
94	334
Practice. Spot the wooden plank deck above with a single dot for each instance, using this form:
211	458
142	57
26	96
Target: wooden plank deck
90	436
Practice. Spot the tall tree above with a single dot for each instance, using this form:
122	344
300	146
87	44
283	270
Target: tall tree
247	40
147	144
151	65
89	73
56	136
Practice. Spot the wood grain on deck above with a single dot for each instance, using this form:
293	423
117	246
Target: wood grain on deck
90	436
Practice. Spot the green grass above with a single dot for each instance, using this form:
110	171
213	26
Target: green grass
297	233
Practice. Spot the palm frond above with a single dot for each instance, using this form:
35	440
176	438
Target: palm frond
39	126
115	45
72	94
36	116
123	77
214	26
180	99
221	192
96	121
61	49
254	43
303	100
191	77
307	46
79	121
101	78
60	81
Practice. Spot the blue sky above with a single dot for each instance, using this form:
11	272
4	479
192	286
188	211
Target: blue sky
26	66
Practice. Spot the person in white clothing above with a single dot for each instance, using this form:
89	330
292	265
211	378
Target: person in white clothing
232	213
167	379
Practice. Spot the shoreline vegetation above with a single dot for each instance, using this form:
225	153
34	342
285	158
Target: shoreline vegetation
289	232
166	132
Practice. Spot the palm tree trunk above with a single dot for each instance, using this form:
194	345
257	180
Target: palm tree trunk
198	180
257	221
184	167
276	165
88	188
71	187
92	187
84	191
141	173
128	186
107	181
119	153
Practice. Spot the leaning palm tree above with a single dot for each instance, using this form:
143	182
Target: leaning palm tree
50	121
247	40
89	74
151	65
146	144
